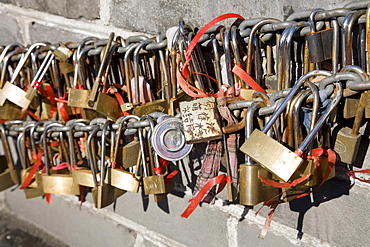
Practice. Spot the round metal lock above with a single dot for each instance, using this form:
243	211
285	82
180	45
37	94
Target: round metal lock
168	140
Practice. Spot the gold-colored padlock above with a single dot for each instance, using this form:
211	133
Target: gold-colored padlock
57	183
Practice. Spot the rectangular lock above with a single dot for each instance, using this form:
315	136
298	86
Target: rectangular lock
271	155
154	184
124	180
200	119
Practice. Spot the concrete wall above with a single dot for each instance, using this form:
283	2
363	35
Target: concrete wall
335	215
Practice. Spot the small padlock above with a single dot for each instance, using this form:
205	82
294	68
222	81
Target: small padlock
319	43
56	183
347	140
104	193
120	178
153	184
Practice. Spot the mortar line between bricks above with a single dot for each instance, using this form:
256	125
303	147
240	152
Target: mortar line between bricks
88	28
232	231
276	228
152	236
105	11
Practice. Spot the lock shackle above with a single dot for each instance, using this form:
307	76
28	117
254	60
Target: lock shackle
72	153
104	134
311	19
347	28
135	39
226	44
91	155
216	58
126	61
45	146
122	121
235	44
7	48
23	146
24	59
5	64
291	94
77	59
252	110
252	36
320	122
136	66
313	90
149	139
43	68
34	129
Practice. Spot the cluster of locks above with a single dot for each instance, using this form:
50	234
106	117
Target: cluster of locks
112	114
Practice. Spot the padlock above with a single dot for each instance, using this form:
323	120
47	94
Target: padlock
152	184
281	161
82	175
120	178
251	190
244	92
15	94
201	120
34	188
168	139
104	193
159	105
319	43
351	103
57	183
347	140
95	100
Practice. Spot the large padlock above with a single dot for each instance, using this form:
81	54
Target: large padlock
201	120
281	161
121	178
347	140
104	194
56	183
251	190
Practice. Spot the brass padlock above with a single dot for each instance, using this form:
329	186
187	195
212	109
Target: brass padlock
57	183
104	193
153	184
120	178
347	140
95	100
201	120
34	188
159	105
82	175
281	161
252	191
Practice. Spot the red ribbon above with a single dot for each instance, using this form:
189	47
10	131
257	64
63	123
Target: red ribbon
33	170
49	94
168	178
183	75
242	74
194	202
352	175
